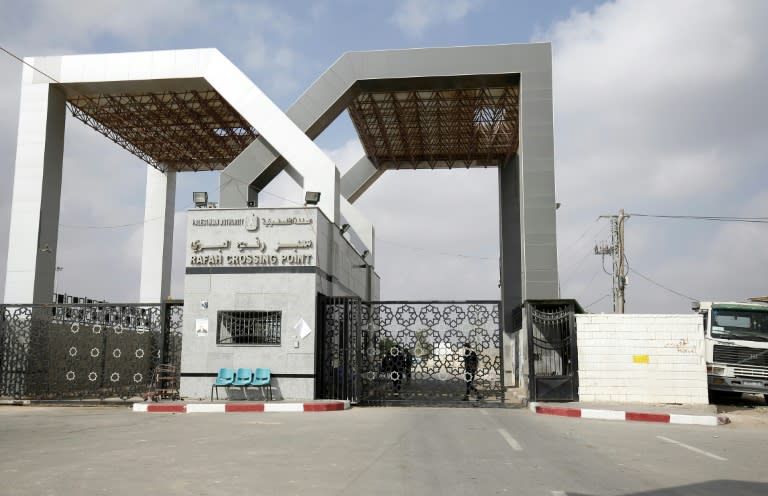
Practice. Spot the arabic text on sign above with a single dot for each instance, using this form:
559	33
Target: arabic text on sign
287	221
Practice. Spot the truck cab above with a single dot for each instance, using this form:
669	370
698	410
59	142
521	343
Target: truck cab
736	339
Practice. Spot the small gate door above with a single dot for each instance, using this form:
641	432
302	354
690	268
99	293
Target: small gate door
338	374
553	358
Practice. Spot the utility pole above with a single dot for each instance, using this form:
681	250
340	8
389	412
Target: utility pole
616	251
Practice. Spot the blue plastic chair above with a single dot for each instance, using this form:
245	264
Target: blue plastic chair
243	378
262	378
225	379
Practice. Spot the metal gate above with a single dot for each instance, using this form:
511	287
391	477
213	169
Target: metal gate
85	351
339	323
407	352
553	360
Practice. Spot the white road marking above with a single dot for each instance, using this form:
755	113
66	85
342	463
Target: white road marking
692	448
510	440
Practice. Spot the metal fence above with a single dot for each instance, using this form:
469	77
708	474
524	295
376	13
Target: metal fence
83	351
425	352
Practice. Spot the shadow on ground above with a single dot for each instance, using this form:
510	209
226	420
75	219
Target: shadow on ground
710	488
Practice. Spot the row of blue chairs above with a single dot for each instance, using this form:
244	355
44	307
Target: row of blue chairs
243	378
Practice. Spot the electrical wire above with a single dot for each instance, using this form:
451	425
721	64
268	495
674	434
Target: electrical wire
754	220
598	300
689	298
426	250
573	270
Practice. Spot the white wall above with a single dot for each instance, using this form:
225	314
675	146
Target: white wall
613	348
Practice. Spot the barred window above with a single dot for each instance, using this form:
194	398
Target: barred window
251	327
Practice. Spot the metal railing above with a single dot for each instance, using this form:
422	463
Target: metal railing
80	351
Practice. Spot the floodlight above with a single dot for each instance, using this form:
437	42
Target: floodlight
344	228
200	198
311	198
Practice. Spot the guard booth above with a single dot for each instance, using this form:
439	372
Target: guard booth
251	289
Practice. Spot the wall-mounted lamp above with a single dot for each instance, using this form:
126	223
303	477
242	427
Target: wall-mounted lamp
557	205
365	254
200	198
344	228
46	249
311	198
251	203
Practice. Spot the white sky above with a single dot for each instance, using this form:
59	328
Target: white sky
659	109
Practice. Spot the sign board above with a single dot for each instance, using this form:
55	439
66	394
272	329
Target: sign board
252	237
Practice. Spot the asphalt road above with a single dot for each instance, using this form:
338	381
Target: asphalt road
370	451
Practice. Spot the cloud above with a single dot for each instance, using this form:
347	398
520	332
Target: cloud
663	114
414	17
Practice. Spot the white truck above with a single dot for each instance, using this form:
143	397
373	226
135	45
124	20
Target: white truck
736	339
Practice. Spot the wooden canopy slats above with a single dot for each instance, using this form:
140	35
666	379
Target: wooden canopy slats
438	128
183	131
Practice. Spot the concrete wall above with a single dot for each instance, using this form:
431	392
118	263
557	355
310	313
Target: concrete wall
294	296
290	256
516	356
641	358
342	271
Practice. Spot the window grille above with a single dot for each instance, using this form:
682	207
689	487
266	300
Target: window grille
251	327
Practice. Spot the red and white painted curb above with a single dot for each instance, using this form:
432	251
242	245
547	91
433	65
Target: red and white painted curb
314	406
666	418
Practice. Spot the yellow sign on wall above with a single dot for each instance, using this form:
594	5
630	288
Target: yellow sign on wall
640	358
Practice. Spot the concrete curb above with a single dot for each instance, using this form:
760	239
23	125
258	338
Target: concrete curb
665	418
241	407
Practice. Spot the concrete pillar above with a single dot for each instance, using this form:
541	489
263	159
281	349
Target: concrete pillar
512	280
33	235
536	160
158	236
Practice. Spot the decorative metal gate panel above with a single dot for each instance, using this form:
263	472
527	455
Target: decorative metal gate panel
416	352
411	352
553	359
339	348
86	351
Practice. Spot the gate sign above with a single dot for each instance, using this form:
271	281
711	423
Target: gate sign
252	237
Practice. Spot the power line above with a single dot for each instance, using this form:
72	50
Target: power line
567	275
754	220
598	300
189	205
426	250
689	298
28	64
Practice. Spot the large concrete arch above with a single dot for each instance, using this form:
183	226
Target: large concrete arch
526	179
